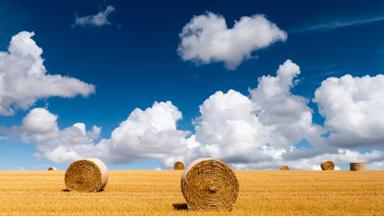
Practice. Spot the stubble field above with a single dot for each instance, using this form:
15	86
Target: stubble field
155	192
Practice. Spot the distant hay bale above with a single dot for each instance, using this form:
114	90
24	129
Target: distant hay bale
52	169
209	184
327	165
284	168
178	165
357	166
87	175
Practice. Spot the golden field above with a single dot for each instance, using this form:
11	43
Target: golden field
155	192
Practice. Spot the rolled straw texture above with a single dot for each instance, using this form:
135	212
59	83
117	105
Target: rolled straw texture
209	184
284	168
327	165
87	175
178	165
357	166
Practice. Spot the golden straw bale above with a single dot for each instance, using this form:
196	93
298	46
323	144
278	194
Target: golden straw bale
178	165
52	169
357	166
327	165
87	175
284	168
209	184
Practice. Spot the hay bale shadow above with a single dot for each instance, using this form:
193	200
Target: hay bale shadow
180	206
67	190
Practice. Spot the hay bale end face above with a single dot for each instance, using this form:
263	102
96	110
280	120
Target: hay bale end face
327	165
209	184
87	175
178	165
357	166
52	169
284	168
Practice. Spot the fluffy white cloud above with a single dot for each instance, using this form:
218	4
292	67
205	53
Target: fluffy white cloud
98	20
40	121
207	38
353	110
260	130
228	128
286	114
149	133
65	145
24	79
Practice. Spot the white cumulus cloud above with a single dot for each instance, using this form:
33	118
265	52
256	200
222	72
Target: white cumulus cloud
207	38
255	131
24	79
261	127
59	145
98	20
149	133
40	121
353	110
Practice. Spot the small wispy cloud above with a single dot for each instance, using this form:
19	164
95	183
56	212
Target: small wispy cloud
98	20
337	24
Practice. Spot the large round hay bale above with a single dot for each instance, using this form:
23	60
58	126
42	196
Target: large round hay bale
52	169
357	166
209	184
178	165
327	165
87	175
284	168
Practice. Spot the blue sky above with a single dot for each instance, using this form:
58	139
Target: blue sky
133	61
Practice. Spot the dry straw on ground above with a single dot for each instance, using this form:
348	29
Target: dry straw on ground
88	175
357	166
178	165
327	165
152	193
284	168
209	184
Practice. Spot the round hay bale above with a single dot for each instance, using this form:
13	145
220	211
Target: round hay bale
327	165
52	169
87	175
357	166
284	168
209	184
178	165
